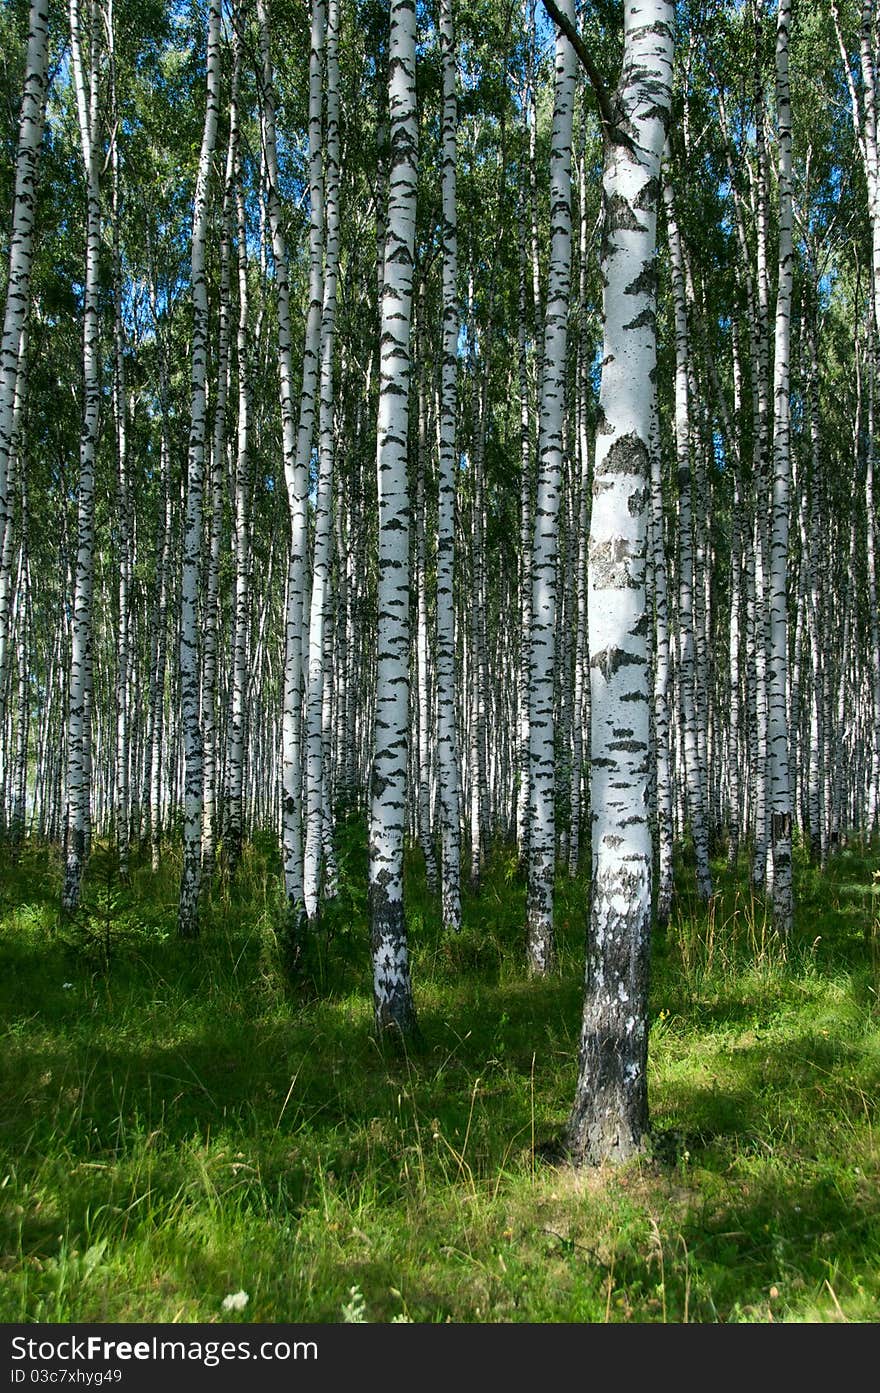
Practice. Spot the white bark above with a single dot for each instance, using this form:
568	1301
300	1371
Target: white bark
188	907
780	792
542	792
316	776
447	739
85	60
609	1115
21	241
392	991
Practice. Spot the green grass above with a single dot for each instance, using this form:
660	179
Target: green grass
176	1124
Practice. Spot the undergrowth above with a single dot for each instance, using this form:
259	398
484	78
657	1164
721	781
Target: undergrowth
178	1122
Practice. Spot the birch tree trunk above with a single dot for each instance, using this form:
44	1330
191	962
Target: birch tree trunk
21	249
296	443
297	487
778	738
447	738
122	798
392	990
188	907
234	802
610	1109
316	775
86	66
540	946
696	800
665	883
217	494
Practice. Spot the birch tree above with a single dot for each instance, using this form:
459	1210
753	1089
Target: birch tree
542	784
188	907
21	251
781	800
392	989
447	740
609	1115
85	61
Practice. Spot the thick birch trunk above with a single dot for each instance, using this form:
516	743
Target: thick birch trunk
392	990
610	1110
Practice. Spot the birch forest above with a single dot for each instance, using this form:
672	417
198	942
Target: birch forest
440	656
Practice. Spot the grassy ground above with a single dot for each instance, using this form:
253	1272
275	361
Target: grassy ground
175	1126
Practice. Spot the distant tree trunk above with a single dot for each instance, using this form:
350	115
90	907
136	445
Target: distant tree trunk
296	443
696	800
582	436
233	813
665	883
25	655
447	739
188	907
426	839
122	797
15	466
540	946
392	990
525	548
217	494
297	485
86	68
317	811
781	794
610	1109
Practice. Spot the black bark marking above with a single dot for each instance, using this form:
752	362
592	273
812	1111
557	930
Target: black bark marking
646	320
610	660
626	456
645	282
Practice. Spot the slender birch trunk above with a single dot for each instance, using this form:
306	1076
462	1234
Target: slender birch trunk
296	443
665	883
217	495
85	58
15	466
316	775
122	793
233	812
540	946
426	838
188	907
297	483
696	801
525	548
447	738
778	736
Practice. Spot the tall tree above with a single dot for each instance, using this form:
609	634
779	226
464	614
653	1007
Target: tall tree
392	989
609	1114
447	741
86	62
542	782
13	361
188	907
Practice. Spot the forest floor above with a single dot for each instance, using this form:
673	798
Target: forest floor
177	1125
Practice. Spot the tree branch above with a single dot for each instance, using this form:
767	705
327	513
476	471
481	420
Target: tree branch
565	26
